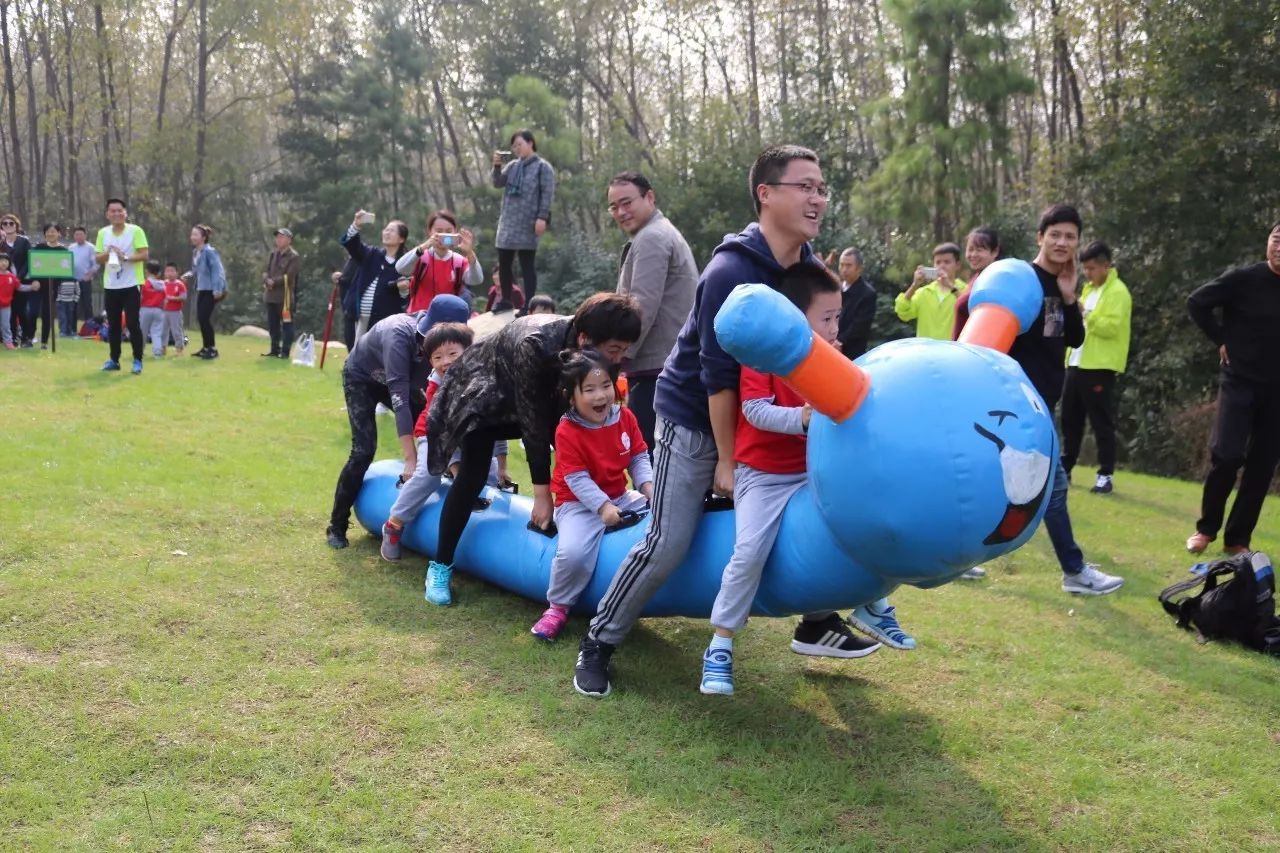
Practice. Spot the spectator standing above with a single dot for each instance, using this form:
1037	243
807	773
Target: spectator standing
659	272
211	287
1092	368
1240	312
121	250
857	305
15	245
44	292
930	300
8	290
529	186
85	268
373	294
279	286
445	263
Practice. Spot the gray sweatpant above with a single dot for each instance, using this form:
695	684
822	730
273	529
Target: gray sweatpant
153	328
173	326
6	318
423	484
684	466
578	544
759	499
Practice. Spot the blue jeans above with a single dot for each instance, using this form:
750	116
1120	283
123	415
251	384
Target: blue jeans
67	319
1058	525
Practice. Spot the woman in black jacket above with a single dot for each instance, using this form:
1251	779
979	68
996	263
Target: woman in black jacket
373	294
507	387
16	245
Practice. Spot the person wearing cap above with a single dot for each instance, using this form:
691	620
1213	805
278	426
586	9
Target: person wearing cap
388	365
279	286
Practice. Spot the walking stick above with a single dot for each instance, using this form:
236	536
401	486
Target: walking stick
286	318
328	326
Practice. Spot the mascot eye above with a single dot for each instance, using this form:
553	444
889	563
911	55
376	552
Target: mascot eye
1033	398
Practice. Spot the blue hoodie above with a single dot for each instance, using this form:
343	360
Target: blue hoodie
697	367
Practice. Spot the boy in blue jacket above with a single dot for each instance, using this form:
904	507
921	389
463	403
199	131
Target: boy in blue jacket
696	400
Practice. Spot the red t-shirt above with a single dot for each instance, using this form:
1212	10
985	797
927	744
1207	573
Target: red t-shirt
495	293
152	298
433	276
420	428
771	452
173	291
8	286
604	453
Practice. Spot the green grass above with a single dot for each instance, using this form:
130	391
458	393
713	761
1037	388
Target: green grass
262	691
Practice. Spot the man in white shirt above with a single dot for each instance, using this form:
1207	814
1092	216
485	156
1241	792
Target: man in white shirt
121	251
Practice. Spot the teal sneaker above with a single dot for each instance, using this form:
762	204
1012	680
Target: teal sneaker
111	364
717	672
437	586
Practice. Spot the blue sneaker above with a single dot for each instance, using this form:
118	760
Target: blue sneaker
137	366
111	364
877	620
717	672
437	586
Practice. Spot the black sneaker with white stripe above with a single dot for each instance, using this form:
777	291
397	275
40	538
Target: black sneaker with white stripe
830	638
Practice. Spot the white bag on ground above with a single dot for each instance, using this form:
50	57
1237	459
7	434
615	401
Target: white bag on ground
305	351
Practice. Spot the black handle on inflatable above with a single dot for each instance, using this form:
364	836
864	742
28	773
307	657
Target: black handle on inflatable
716	503
550	532
629	519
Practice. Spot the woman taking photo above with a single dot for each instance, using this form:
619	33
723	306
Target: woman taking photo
373	294
211	286
445	263
507	387
529	185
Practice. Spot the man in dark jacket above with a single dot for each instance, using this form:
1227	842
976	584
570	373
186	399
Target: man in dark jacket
1247	432
857	305
697	398
387	366
279	283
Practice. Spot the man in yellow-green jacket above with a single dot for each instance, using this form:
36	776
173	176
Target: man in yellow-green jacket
931	298
1089	390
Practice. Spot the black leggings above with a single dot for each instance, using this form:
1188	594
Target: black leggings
126	300
362	399
473	470
1245	435
506	273
1089	394
204	314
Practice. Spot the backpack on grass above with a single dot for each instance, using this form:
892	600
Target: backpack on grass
1233	600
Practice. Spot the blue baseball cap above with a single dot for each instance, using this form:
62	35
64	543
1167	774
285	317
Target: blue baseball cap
445	308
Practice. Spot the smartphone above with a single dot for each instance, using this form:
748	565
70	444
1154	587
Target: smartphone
449	241
503	153
367	218
930	273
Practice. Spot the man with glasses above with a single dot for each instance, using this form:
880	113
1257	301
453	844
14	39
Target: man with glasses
658	271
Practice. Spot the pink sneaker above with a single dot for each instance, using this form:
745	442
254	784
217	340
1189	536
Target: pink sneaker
551	623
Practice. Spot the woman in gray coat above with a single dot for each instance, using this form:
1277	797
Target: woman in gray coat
529	185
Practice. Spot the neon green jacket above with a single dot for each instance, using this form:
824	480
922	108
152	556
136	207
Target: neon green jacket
933	310
1106	327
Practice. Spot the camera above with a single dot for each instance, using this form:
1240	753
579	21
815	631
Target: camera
449	241
930	273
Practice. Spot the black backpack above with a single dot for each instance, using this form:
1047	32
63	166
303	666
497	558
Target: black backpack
1233	600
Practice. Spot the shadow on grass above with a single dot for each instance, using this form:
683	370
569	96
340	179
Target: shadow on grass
806	755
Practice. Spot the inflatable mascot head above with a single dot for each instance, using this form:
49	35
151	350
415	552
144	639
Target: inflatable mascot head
928	457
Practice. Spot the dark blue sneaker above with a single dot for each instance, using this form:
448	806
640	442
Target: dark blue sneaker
111	364
591	673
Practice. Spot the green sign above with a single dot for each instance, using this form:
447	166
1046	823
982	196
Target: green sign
51	263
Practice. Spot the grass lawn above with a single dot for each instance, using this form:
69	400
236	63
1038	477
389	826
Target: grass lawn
184	665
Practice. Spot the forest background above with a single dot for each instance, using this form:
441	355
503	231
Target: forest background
1159	119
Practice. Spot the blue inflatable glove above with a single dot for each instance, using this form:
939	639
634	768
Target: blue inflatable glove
1013	284
760	327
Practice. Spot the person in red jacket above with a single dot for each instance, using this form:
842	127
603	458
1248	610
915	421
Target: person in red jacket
769	447
8	288
175	296
445	263
151	310
598	443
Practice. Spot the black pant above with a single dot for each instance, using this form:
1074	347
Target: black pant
275	311
23	321
473	470
38	308
127	300
506	273
349	330
204	315
362	399
640	391
1089	393
86	300
1247	433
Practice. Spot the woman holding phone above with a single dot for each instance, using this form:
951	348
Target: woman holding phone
373	294
445	263
529	186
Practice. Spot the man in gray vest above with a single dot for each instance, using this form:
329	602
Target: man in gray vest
658	271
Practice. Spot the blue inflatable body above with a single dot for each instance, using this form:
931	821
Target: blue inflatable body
946	463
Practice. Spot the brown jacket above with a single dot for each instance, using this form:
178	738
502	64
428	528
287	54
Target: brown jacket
281	266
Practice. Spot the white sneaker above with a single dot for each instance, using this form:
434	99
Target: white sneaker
974	574
381	410
1091	581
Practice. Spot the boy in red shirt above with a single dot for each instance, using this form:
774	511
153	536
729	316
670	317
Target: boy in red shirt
151	308
8	287
175	296
769	448
598	443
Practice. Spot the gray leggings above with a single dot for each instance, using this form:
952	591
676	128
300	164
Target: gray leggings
153	326
578	544
173	326
423	484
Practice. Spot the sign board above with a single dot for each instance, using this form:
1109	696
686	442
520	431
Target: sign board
45	262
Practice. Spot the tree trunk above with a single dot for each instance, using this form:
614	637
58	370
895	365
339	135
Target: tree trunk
104	141
201	119
37	173
753	74
17	176
75	201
